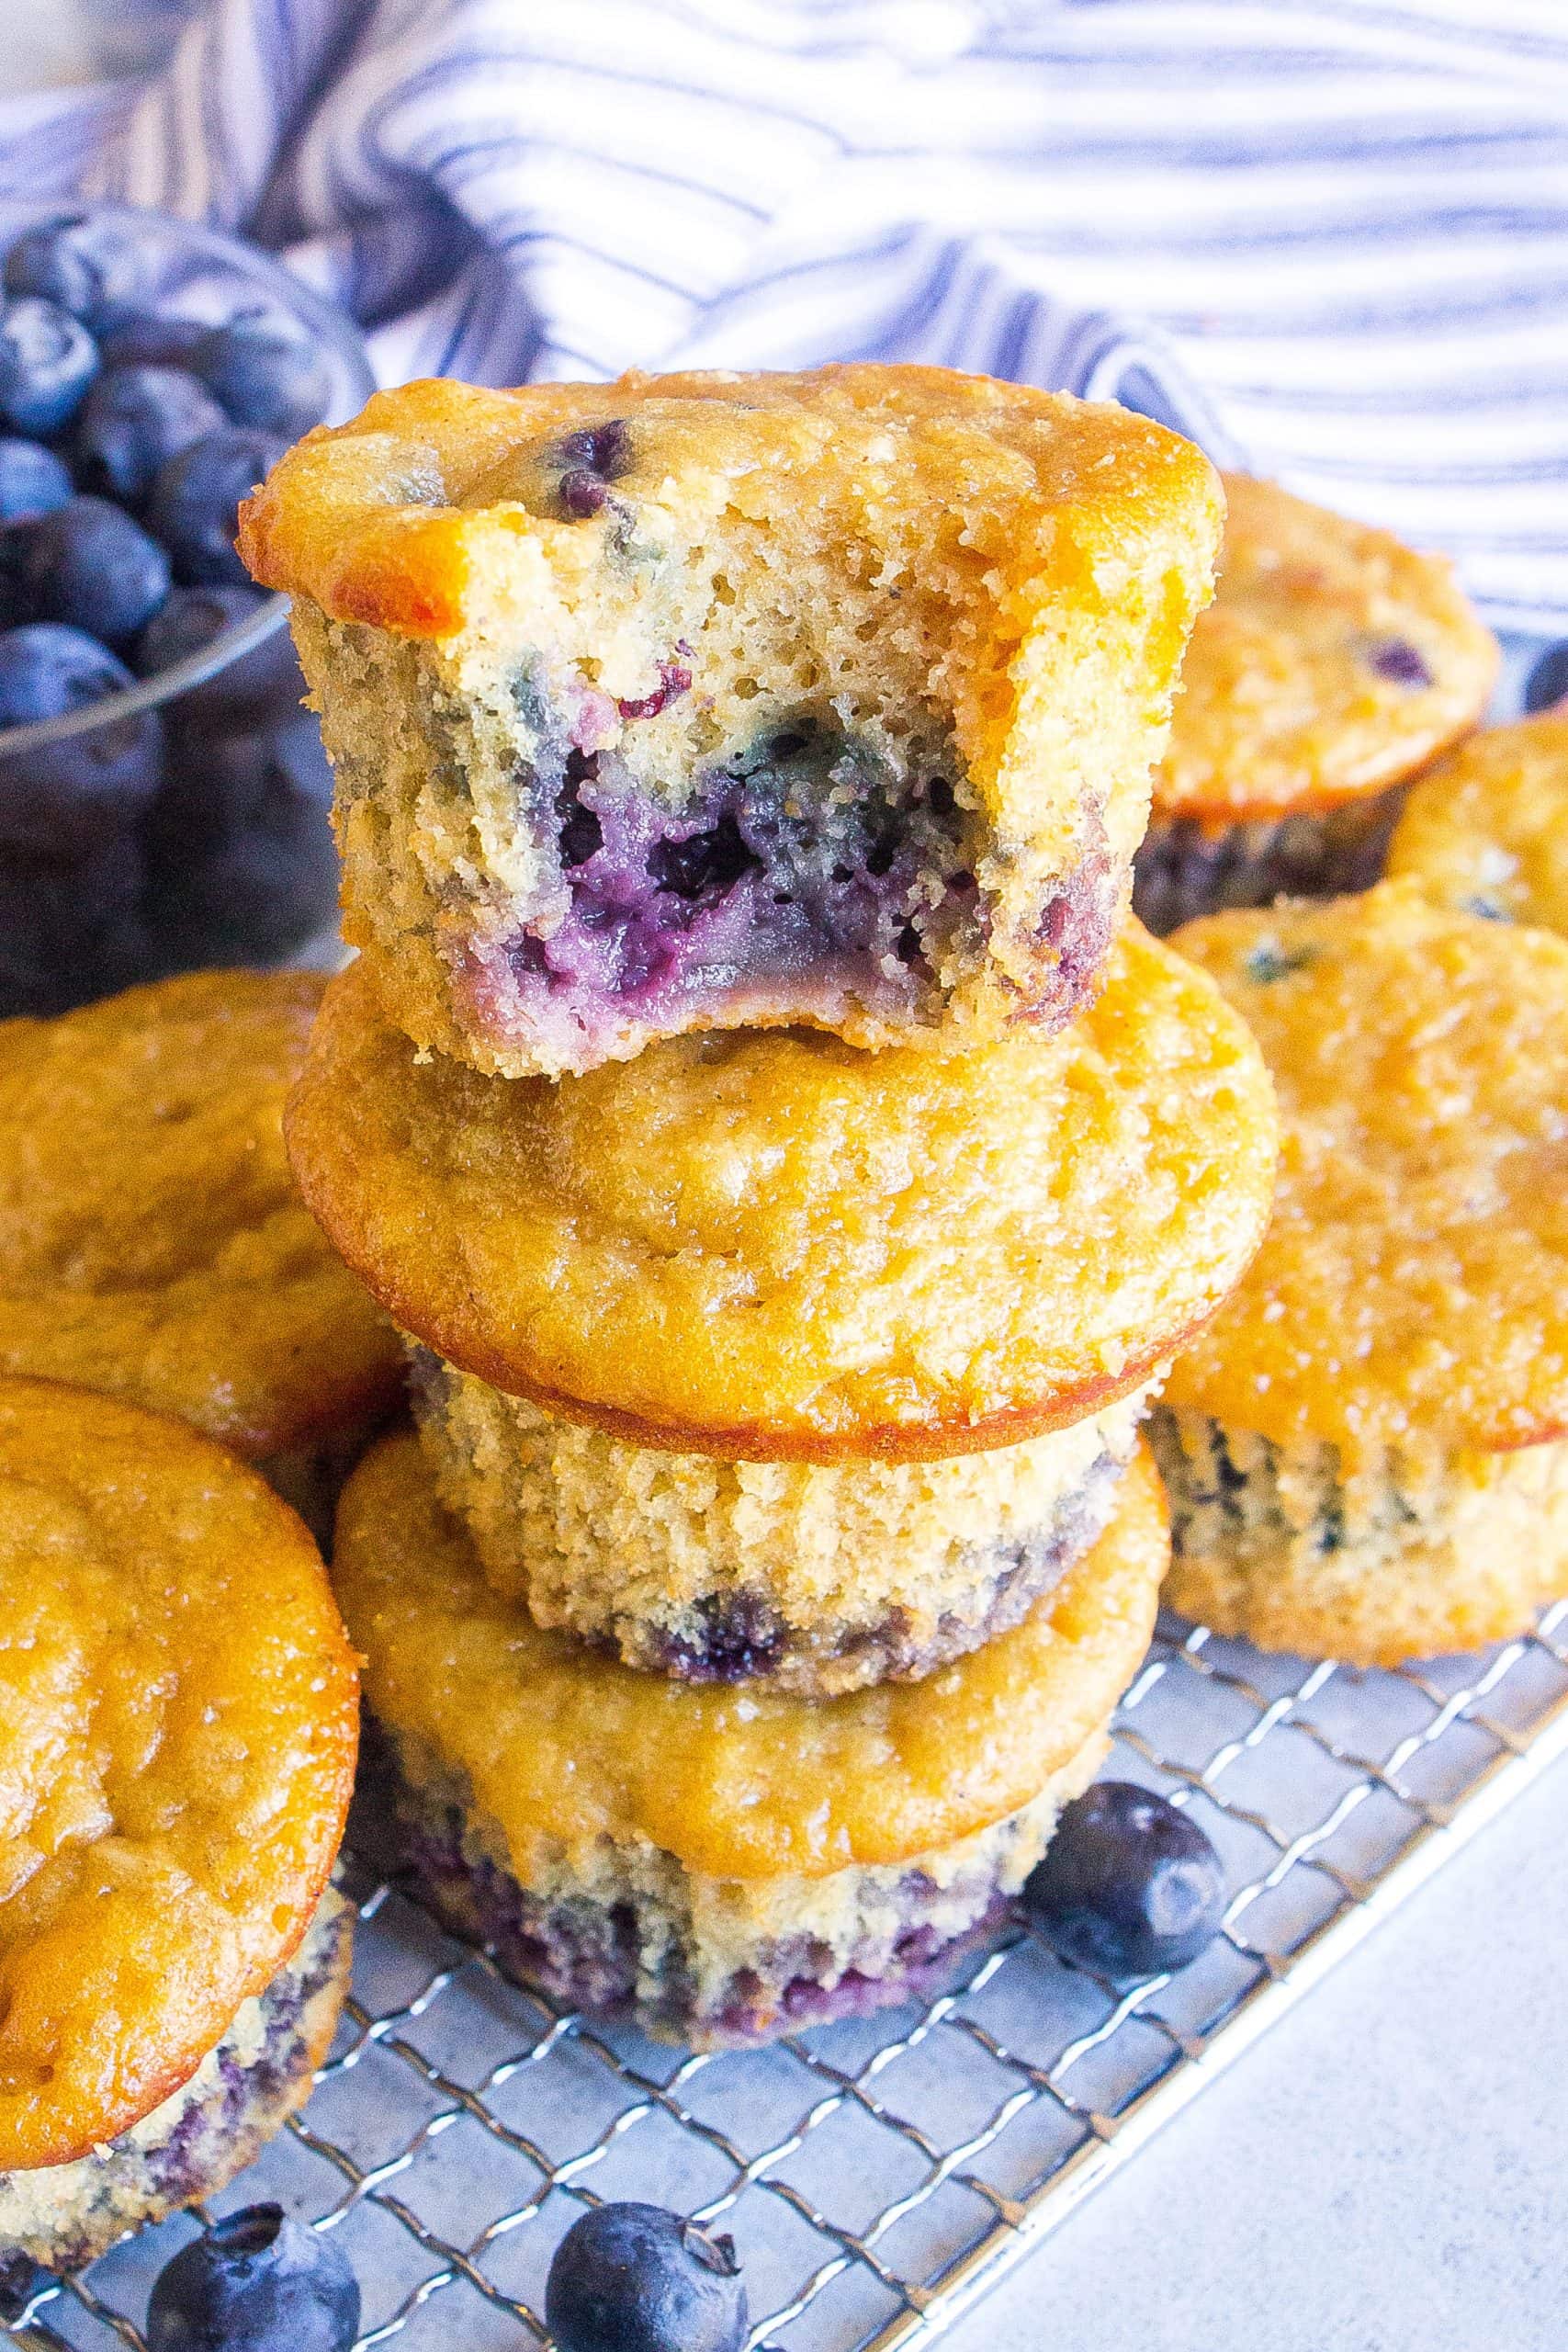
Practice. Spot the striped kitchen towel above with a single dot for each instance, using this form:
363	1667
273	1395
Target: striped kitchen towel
1329	238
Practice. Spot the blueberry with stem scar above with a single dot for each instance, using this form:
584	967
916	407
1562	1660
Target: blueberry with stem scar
633	2277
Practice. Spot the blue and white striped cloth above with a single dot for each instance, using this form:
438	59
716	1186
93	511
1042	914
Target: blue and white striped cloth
1327	237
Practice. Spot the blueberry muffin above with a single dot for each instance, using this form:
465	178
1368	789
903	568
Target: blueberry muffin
152	1242
1332	664
1366	1450
724	701
1486	830
176	1749
812	1578
728	1865
768	1246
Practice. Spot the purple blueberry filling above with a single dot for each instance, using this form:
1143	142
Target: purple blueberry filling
585	1955
220	2131
794	873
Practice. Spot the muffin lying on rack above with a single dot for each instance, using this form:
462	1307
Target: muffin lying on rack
1486	830
1332	663
152	1242
1367	1449
176	1746
715	701
727	1865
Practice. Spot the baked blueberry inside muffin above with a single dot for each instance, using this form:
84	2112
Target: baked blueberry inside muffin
1365	1450
177	1743
718	700
727	1865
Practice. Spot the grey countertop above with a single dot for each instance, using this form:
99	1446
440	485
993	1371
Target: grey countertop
1383	2173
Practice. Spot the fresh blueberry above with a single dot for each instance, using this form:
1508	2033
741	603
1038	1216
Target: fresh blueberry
71	930
265	679
33	481
240	848
88	268
1548	681
152	339
58	798
195	504
89	566
1129	1885
265	370
47	361
257	2281
635	2278
132	421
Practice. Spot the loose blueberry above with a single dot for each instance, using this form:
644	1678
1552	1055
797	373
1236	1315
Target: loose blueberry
88	268
635	2278
132	421
239	847
33	481
58	798
257	2281
265	370
194	508
47	361
1129	1885
71	930
217	787
265	679
89	566
1548	681
152	339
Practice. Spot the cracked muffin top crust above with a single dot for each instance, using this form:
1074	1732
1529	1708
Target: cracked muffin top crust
1413	1289
563	1749
769	1245
178	1742
1486	832
1334	662
152	1244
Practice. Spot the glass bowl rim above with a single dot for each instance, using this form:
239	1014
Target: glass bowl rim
326	320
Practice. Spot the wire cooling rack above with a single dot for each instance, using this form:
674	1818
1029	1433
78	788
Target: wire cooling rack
877	2176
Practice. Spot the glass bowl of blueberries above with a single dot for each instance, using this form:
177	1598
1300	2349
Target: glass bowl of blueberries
163	797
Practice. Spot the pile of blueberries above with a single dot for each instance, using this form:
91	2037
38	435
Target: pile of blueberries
165	839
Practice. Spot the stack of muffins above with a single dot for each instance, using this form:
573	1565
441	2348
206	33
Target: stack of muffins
792	1164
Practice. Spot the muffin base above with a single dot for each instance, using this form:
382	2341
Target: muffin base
715	1963
815	1581
1186	868
65	2215
1405	1559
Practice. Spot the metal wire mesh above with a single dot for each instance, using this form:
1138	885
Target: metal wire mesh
876	2175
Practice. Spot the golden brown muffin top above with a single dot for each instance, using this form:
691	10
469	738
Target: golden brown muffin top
562	1747
177	1741
768	1245
398	518
152	1244
1332	662
1414	1286
1487	830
